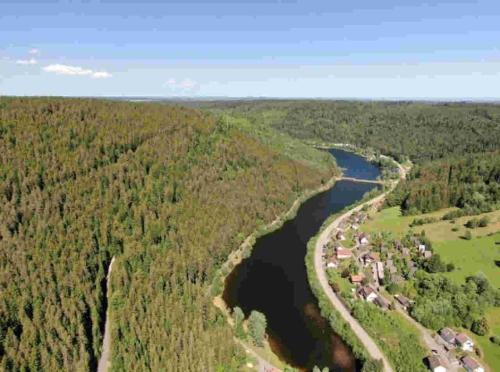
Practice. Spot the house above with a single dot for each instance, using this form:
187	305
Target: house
354	226
448	335
340	235
464	342
403	301
421	248
391	267
332	263
471	365
343	253
380	270
357	279
362	239
405	252
368	293
436	364
398	245
427	254
381	302
371	257
397	279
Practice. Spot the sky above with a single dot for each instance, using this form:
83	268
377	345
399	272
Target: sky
262	48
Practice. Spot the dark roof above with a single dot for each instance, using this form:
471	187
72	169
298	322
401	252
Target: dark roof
447	334
470	362
435	361
403	300
462	338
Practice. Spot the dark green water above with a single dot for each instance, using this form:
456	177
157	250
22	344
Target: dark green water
273	280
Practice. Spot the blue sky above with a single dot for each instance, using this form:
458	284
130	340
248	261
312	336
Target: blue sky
359	49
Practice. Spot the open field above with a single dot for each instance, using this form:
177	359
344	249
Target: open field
478	255
390	219
490	350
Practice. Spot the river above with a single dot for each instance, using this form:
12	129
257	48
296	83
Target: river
273	280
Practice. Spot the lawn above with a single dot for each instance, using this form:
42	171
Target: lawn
490	350
469	256
472	256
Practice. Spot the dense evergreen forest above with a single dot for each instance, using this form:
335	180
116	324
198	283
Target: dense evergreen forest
416	130
470	182
168	191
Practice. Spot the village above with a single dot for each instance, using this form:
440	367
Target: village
363	267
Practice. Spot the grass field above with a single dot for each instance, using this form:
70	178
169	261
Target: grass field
490	350
478	255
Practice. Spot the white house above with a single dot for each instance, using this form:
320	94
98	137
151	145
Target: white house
368	293
464	342
340	235
436	364
421	248
332	263
471	365
363	239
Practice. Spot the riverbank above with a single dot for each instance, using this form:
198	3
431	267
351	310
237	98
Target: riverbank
245	249
331	305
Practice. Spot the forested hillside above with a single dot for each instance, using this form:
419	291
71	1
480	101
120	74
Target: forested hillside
415	130
469	182
168	191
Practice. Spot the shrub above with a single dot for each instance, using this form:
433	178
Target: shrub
484	221
480	327
257	324
495	340
468	235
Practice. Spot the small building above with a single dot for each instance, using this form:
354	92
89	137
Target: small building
354	226
421	248
371	257
405	252
464	342
397	279
332	263
448	335
367	293
436	364
471	365
403	301
357	279
380	270
362	239
343	253
398	245
391	267
381	302
427	254
340	235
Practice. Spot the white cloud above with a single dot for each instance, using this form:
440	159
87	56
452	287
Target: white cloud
34	51
183	86
76	71
101	75
30	61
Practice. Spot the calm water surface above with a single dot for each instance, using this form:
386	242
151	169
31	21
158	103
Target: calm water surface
273	280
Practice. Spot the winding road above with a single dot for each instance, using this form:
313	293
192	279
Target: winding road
369	344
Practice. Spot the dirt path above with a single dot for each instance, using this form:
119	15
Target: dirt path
429	341
106	343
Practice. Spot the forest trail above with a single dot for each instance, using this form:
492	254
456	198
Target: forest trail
106	343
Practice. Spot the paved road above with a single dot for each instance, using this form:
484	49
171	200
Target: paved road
370	345
106	343
263	365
